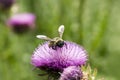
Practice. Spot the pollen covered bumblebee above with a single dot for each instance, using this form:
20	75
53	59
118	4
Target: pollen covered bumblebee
55	42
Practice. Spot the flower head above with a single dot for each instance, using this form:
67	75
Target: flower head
22	22
6	4
70	54
71	73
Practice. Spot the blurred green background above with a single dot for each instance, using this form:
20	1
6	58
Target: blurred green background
94	24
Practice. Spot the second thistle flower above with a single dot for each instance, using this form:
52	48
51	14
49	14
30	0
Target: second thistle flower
21	23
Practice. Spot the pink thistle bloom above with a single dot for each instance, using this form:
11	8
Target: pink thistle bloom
22	22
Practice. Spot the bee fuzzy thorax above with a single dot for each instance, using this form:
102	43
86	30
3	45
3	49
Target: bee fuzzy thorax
56	43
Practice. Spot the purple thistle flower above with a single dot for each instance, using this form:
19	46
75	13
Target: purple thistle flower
69	55
22	22
71	73
6	4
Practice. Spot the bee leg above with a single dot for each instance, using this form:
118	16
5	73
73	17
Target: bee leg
54	47
65	45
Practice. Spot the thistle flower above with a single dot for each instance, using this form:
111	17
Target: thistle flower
71	73
55	60
70	55
6	4
22	22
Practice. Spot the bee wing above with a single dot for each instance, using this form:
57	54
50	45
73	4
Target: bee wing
61	30
44	37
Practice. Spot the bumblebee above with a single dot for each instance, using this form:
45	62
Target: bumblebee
55	42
